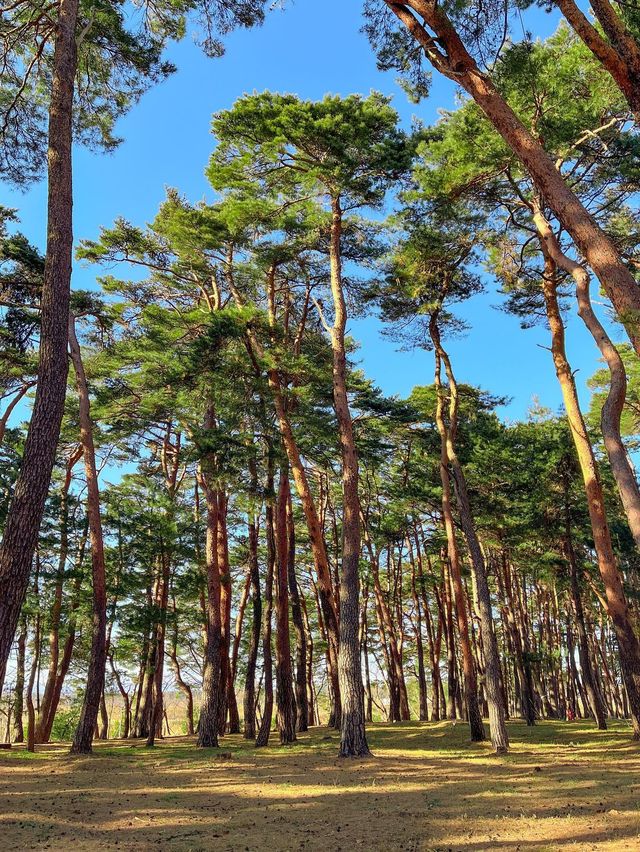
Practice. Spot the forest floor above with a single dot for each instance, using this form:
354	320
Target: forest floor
563	786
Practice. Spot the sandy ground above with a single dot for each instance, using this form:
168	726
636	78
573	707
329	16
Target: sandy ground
564	786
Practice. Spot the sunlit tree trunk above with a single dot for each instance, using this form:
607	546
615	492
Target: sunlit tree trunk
450	57
611	412
353	741
493	686
97	661
422	680
620	55
307	501
611	576
468	665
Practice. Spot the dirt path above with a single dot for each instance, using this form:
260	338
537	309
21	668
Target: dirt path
563	786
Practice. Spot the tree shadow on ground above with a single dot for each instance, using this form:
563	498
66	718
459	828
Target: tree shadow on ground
427	788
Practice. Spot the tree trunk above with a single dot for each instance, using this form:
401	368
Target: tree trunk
493	687
522	666
422	680
30	490
625	72
157	673
594	698
42	727
234	715
97	661
31	713
625	44
612	578
67	652
256	617
208	724
183	686
611	413
468	666
364	645
125	699
447	616
265	724
18	703
103	728
226	698
353	740
302	703
312	518
313	720
285	702
449	56
434	642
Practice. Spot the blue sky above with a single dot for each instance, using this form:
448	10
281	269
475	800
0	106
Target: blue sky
310	49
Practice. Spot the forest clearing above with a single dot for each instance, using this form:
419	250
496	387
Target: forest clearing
425	789
320	424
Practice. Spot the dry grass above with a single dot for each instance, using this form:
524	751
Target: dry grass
562	786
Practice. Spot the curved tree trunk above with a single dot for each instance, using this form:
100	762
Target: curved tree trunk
97	661
450	57
578	431
623	64
617	605
612	409
493	686
468	664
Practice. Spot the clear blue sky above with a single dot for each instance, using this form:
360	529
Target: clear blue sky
311	49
